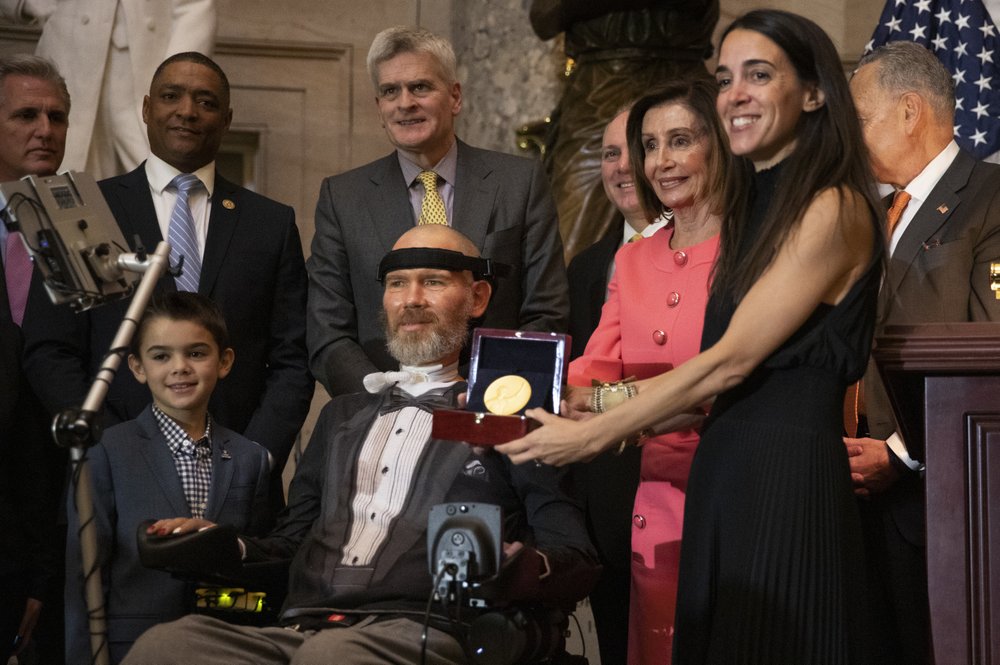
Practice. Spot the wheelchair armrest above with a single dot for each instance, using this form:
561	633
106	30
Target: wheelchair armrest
212	554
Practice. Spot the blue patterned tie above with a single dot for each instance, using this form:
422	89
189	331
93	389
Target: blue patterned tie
181	236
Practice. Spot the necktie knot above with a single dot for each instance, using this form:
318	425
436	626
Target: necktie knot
185	182
432	209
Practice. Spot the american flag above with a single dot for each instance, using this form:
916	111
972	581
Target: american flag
964	37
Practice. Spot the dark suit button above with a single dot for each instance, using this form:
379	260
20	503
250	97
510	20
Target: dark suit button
680	257
673	299
639	521
659	337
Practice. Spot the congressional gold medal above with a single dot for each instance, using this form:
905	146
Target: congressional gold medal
507	395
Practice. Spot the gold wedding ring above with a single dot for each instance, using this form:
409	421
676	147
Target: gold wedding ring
507	395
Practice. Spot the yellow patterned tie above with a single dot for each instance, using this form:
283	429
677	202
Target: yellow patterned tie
432	208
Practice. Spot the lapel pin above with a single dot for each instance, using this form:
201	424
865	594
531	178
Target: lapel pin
225	454
942	208
229	204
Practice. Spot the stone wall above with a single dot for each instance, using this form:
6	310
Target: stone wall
509	76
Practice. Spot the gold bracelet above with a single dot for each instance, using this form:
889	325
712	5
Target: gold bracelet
606	396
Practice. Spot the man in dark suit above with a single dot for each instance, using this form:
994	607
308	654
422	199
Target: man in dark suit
251	265
356	524
940	249
34	117
499	201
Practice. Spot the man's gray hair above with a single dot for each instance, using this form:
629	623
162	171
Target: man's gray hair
404	39
909	67
23	64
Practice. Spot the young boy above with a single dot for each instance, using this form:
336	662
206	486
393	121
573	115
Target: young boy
171	460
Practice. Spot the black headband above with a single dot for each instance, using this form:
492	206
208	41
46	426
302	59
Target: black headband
444	259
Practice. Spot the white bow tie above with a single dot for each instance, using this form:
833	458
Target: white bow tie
379	381
412	376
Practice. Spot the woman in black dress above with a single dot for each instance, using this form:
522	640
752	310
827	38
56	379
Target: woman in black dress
771	562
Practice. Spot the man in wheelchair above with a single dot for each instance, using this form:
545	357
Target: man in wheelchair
356	523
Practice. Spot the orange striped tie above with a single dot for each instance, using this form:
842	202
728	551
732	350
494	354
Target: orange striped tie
899	202
854	400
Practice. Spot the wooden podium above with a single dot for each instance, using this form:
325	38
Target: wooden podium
944	383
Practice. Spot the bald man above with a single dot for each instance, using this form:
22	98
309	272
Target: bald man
370	476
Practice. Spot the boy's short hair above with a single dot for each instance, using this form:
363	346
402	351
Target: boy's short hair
183	306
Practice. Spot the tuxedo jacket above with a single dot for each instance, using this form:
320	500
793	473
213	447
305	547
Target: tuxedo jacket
316	525
588	285
135	479
502	203
252	267
939	272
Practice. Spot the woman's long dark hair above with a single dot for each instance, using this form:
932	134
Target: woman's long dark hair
728	175
829	151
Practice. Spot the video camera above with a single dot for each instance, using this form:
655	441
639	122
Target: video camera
72	237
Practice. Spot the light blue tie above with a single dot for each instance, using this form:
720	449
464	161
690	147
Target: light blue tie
182	237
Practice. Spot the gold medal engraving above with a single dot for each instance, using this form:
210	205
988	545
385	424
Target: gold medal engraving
507	395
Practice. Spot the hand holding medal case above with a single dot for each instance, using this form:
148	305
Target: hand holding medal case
509	371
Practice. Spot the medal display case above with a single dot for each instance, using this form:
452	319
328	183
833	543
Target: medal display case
509	371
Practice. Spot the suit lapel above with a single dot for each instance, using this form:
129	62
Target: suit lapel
942	202
222	474
222	223
475	195
157	456
132	205
388	203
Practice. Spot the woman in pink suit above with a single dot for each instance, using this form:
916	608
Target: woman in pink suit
652	322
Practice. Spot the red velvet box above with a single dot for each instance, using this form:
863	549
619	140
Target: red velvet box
539	358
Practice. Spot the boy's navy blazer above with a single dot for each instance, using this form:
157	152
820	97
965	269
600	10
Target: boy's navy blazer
134	479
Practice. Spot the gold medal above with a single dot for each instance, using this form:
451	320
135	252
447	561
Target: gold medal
507	395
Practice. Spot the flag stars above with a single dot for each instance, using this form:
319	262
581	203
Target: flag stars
918	32
959	76
943	16
940	43
962	22
893	25
978	137
984	82
987	29
959	105
923	6
985	56
981	110
961	49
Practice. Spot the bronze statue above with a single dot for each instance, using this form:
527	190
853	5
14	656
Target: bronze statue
616	50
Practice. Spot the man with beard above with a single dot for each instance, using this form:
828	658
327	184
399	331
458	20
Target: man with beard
356	521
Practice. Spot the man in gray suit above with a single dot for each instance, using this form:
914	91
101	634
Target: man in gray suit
501	202
940	251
